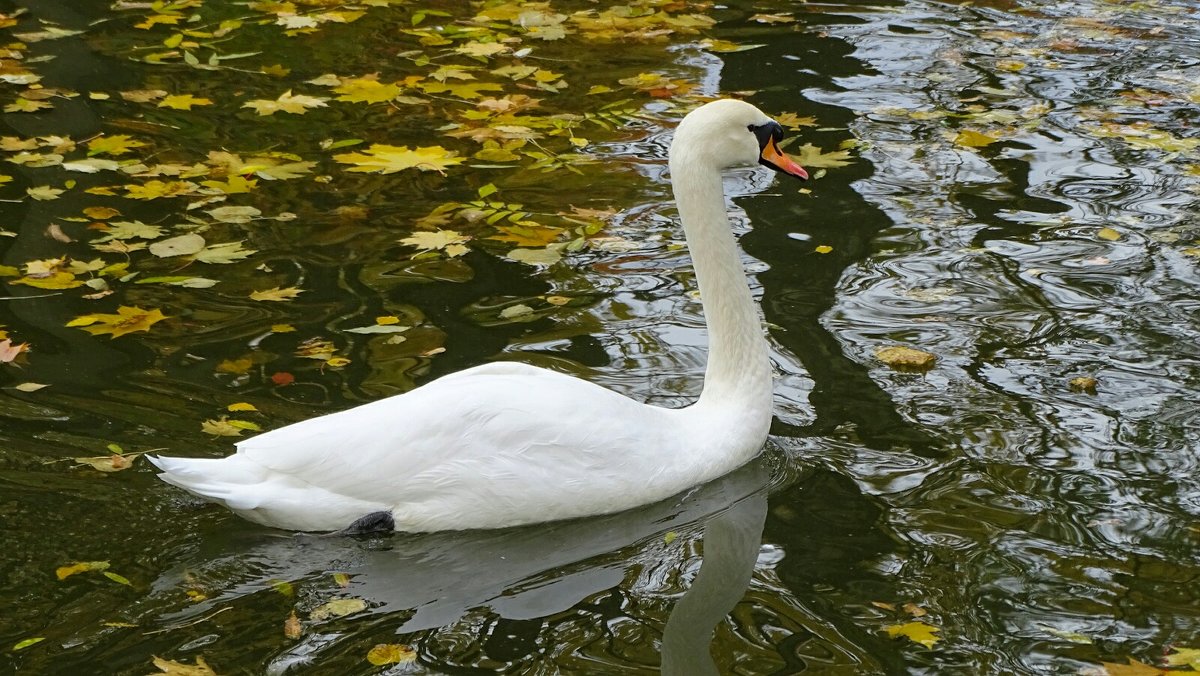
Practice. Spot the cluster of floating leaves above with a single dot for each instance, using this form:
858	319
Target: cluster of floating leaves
475	77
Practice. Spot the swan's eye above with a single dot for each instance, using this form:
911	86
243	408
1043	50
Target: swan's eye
766	132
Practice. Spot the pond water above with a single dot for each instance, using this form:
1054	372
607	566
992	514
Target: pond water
1010	187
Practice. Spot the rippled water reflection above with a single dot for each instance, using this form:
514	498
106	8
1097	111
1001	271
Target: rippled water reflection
1040	528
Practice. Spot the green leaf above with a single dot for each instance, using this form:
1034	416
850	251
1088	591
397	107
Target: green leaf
121	579
21	645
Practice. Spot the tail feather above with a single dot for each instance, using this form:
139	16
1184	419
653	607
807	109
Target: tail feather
224	480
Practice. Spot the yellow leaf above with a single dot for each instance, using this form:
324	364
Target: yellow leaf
435	240
113	462
112	145
337	608
282	328
481	50
973	139
899	357
126	320
527	235
809	155
917	632
55	280
277	294
794	122
1184	657
183	102
1134	668
390	653
823	249
101	213
291	626
1010	65
1108	234
288	103
44	192
21	645
366	90
241	406
63	572
386	159
173	668
337	362
386	321
221	428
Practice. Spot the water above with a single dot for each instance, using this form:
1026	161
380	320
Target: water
1040	528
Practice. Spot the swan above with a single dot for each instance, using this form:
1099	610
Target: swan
505	444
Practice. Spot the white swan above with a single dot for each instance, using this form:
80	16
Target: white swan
504	444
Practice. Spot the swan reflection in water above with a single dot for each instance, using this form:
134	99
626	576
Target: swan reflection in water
519	574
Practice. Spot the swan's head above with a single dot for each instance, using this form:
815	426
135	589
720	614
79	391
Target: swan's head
732	133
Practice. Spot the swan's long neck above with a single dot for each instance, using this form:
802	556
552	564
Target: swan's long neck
738	377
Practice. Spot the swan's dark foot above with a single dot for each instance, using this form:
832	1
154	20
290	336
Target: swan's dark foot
375	522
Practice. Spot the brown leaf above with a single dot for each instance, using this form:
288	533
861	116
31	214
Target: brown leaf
291	626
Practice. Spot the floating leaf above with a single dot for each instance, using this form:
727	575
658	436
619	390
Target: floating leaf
223	253
1108	234
282	378
119	579
291	626
277	294
63	572
823	249
173	668
235	214
974	139
386	159
222	427
809	155
917	632
390	653
337	608
183	245
112	145
1072	636
109	463
127	320
378	328
1184	657
1085	384
1134	668
287	103
180	280
901	358
44	192
183	102
29	387
21	645
448	240
241	406
10	351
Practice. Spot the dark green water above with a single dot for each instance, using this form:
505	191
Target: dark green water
1040	528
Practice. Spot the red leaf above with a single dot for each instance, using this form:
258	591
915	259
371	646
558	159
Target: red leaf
282	378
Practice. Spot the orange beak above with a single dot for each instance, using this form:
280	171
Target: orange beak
773	157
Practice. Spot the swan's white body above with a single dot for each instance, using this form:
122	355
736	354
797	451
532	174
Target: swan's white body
505	444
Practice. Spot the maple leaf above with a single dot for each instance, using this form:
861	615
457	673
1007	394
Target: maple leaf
917	632
22	105
481	50
527	234
129	230
809	155
466	90
113	145
153	190
386	159
127	320
366	90
277	294
298	104
225	252
44	192
183	102
794	122
9	351
450	241
143	95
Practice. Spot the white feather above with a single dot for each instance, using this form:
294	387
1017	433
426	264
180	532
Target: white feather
505	444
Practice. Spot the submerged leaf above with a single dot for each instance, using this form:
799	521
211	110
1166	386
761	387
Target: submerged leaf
63	572
337	608
917	632
277	294
390	653
900	357
173	668
385	159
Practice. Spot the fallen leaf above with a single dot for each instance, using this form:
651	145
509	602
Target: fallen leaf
63	572
387	159
291	626
127	320
809	155
119	579
823	249
287	103
1072	636
241	406
173	668
342	580
390	653
182	245
1184	657
379	328
277	294
917	632
1108	234
10	351
1134	668
113	145
902	358
114	462
221	427
337	608
438	239
974	139
914	610
1085	384
21	645
44	193
183	102
223	253
235	214
29	387
281	378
